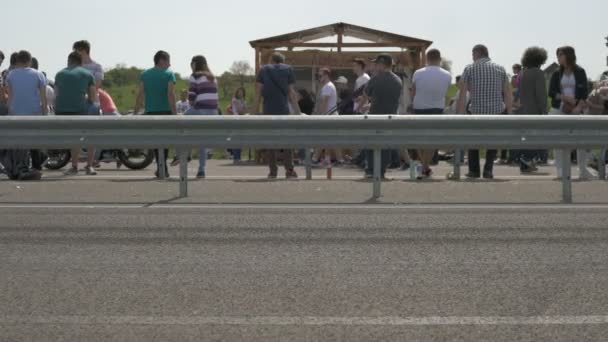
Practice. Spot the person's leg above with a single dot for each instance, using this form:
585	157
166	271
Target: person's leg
474	166
369	162
237	154
75	156
38	158
202	161
582	156
385	157
272	160
426	157
90	170
90	156
490	157
288	161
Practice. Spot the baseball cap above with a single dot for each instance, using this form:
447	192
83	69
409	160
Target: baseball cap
384	58
341	80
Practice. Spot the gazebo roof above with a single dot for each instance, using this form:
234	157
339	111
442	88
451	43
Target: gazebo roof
375	38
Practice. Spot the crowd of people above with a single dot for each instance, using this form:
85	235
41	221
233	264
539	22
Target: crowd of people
484	88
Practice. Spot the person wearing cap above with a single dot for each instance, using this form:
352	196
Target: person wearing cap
384	91
346	102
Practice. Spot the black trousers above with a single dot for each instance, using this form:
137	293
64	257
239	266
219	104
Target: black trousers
38	158
474	163
156	151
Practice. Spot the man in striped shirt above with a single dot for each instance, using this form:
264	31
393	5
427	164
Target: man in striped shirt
490	94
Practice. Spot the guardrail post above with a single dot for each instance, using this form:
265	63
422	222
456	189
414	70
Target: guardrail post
457	158
566	176
162	164
308	163
183	173
377	170
601	164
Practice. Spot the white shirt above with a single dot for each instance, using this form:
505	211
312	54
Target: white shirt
361	81
50	98
328	90
568	85
182	106
432	84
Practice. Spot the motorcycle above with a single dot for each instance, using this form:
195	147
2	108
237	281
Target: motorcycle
134	159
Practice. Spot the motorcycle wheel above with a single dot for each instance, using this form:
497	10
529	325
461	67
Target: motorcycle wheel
136	159
58	159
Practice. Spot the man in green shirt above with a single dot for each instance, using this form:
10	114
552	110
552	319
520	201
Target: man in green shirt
157	94
75	91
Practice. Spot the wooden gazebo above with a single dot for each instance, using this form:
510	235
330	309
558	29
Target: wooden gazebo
303	50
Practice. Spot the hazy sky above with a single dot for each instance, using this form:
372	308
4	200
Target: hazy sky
131	31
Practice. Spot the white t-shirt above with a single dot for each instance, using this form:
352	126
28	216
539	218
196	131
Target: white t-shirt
361	81
50	97
432	84
568	85
329	90
182	106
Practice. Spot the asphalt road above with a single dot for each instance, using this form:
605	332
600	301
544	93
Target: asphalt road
118	257
303	273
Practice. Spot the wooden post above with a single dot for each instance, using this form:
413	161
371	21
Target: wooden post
257	60
422	58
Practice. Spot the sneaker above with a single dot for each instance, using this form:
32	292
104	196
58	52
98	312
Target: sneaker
72	171
472	175
488	175
426	174
90	171
200	175
291	174
158	176
33	175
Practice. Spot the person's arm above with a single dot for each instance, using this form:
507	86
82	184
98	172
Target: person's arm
541	93
139	100
93	97
293	96
508	96
9	96
43	100
171	97
462	100
258	98
324	104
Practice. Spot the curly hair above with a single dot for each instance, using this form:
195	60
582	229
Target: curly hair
534	57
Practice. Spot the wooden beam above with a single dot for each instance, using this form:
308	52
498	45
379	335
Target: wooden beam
345	45
340	32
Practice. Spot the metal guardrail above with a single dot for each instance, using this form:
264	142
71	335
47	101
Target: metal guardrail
371	132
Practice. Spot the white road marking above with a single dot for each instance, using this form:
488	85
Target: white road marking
307	321
306	206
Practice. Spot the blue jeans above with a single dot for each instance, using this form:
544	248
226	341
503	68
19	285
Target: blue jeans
236	154
202	151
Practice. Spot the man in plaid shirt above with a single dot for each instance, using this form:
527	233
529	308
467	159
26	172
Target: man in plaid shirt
490	94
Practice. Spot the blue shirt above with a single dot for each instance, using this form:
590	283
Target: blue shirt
25	84
276	79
